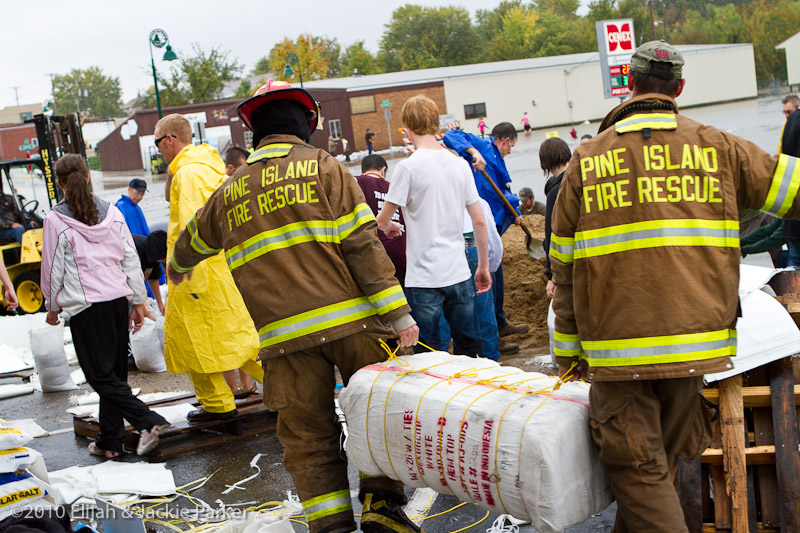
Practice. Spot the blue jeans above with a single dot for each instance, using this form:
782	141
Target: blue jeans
484	314
793	257
457	303
16	233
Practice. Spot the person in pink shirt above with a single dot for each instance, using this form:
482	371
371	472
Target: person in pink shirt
526	122
90	271
482	126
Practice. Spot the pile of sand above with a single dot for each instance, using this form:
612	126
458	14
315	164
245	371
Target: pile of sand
525	298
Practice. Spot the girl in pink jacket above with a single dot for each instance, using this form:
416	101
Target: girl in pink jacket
90	270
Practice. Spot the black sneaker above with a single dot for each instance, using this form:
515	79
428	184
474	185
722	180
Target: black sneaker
382	515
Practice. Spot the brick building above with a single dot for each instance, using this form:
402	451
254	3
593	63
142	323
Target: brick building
14	136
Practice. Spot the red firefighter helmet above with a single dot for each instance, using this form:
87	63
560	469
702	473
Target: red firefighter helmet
278	90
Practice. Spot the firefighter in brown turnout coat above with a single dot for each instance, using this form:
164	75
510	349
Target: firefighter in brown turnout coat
645	257
303	248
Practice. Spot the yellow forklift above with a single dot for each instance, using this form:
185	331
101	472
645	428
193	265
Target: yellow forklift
57	135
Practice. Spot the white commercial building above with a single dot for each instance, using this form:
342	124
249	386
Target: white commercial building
560	90
792	47
569	89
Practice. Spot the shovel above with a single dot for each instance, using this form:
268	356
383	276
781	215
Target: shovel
534	246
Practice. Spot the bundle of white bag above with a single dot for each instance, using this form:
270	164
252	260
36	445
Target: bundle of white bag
20	472
489	434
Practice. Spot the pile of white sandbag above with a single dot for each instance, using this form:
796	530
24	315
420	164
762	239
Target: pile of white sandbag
19	467
489	434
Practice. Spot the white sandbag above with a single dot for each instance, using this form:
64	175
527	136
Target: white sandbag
160	327
50	359
258	523
17	459
18	490
12	436
492	435
147	348
13	390
152	307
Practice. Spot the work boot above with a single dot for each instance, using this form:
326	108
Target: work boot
201	415
507	348
345	526
381	514
511	329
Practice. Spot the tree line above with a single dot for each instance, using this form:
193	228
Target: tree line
418	37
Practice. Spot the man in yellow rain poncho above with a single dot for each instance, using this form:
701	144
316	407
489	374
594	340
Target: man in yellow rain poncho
208	329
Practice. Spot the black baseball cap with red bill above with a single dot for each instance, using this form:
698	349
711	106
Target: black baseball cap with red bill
658	52
275	90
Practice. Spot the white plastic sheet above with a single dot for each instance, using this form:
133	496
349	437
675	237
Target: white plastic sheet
765	332
14	359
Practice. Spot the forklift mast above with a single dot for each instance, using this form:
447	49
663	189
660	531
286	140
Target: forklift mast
58	136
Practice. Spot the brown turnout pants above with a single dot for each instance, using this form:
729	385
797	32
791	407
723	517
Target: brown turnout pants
300	386
641	427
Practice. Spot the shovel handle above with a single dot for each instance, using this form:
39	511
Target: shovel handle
509	207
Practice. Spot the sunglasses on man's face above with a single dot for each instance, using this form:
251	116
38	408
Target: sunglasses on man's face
157	141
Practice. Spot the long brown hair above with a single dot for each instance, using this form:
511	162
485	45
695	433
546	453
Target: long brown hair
71	171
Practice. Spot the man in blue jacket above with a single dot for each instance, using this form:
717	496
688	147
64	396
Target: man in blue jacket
487	154
134	217
129	205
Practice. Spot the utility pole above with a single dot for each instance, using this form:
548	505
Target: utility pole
653	20
53	86
16	93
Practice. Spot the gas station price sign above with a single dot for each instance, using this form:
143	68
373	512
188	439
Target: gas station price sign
615	44
618	77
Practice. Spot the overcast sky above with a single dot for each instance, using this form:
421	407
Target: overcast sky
49	36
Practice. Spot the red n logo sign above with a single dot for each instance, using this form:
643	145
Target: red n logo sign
620	37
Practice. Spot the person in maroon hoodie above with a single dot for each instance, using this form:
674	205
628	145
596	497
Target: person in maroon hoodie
373	182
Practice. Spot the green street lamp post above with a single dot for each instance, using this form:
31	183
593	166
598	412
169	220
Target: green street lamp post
159	39
291	59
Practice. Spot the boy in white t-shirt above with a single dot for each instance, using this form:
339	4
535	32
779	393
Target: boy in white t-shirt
433	187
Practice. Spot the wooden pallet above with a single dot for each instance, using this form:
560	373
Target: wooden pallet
253	418
749	477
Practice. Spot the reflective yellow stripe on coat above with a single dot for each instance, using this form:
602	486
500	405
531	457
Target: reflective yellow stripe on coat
334	231
562	248
270	151
567	345
197	243
652	121
176	267
659	350
783	190
332	315
656	234
327	505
